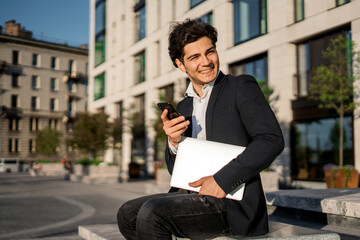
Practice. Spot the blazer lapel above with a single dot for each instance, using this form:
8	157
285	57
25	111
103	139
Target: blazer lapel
186	110
211	105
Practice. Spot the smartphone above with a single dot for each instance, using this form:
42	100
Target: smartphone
172	113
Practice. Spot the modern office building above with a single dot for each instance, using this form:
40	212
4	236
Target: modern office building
42	84
279	41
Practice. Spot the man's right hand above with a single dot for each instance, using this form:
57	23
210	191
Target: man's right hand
174	128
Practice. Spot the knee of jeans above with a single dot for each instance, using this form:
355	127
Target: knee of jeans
151	209
123	214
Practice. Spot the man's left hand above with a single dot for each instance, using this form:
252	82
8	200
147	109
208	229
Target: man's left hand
209	187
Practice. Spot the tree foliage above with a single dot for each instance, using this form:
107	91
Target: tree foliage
47	141
91	133
333	84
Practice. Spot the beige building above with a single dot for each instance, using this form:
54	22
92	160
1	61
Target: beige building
41	84
279	41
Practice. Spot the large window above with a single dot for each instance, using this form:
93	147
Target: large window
256	66
194	3
250	19
299	10
140	19
208	18
316	143
99	86
309	57
100	20
54	104
140	67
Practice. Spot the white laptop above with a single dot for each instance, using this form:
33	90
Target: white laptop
199	158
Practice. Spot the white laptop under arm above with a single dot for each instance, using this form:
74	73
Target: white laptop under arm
199	158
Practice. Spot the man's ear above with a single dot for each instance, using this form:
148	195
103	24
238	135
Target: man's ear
180	65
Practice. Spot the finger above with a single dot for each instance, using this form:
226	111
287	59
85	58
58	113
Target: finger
164	115
197	183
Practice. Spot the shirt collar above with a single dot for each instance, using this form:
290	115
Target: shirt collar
190	92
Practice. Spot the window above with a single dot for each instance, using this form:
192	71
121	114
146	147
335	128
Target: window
54	84
316	143
15	57
53	124
35	82
250	19
207	18
71	107
54	104
35	103
35	60
256	66
341	2
72	66
53	63
34	124
15	101
140	20
167	93
32	146
72	86
299	10
99	86
100	33
15	80
309	57
14	124
140	67
14	145
138	150
194	3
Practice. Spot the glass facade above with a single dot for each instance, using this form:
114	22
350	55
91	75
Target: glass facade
316	143
250	19
100	33
99	86
299	10
309	57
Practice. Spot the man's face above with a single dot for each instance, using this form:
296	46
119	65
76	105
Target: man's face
200	62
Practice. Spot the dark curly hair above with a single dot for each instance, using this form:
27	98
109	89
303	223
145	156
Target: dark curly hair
188	31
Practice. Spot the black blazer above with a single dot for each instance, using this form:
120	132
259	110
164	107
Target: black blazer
238	114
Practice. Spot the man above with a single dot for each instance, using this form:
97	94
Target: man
220	108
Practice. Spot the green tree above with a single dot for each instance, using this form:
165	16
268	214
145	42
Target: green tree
47	141
333	84
91	133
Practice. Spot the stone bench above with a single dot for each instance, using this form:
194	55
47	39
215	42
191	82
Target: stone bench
339	207
278	231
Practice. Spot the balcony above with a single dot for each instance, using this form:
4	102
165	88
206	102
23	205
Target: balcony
77	77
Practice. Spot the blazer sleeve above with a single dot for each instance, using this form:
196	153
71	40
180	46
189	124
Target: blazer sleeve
266	140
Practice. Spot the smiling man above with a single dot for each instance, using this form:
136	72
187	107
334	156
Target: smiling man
216	107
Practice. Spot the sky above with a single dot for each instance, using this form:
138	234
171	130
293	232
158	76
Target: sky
56	21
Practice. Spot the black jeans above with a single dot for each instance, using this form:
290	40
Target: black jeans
181	214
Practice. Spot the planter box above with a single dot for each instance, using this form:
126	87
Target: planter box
270	181
337	178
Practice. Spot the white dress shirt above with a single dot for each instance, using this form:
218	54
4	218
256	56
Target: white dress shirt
198	118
